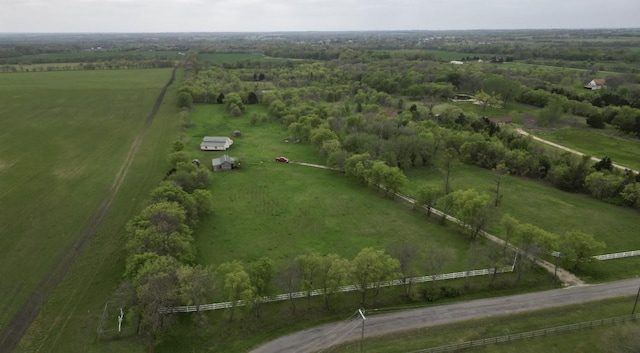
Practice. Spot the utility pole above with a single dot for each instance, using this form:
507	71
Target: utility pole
361	311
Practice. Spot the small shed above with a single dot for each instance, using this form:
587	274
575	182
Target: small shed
223	163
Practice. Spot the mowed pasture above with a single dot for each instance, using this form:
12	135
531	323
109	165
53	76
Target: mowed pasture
282	210
623	150
90	55
64	137
546	207
285	209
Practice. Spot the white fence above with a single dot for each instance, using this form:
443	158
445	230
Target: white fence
617	255
350	288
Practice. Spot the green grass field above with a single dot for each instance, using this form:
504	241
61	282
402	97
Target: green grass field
282	210
91	55
263	209
65	136
623	150
556	211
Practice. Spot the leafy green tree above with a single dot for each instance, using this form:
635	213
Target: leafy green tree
357	166
176	244
277	109
377	173
252	98
261	273
471	208
300	130
164	216
189	177
309	266
185	100
170	192
604	164
568	172
178	157
627	120
604	185
234	104
578	247
393	179
236	285
330	147
332	274
204	201
196	285
551	113
596	122
498	85
631	194
322	134
533	242
487	99
510	225
152	286
177	146
157	291
427	197
372	267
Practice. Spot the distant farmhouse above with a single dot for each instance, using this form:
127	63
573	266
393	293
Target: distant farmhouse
596	83
215	143
501	120
223	163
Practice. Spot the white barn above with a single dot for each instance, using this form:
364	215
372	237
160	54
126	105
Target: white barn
215	143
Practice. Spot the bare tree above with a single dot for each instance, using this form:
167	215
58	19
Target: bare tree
436	259
408	255
288	279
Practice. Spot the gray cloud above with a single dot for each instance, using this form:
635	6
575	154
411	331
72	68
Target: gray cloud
306	15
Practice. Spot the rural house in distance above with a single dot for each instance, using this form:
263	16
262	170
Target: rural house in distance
215	143
223	163
596	83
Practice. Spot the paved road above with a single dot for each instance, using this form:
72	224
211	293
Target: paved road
322	337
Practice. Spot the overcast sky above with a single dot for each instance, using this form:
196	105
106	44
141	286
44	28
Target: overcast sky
310	15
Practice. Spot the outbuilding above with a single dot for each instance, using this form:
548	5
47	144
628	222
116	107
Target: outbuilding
215	143
223	163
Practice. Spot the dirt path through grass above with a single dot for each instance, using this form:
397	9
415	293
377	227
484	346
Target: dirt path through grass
524	133
12	334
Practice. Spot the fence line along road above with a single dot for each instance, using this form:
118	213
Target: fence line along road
349	288
529	334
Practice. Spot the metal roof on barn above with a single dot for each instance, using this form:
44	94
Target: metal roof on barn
223	159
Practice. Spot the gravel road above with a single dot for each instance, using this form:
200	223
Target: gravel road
324	336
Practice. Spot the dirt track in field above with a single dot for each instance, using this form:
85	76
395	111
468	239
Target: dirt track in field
12	334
